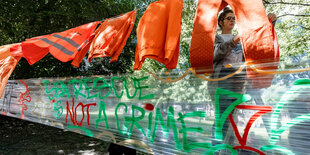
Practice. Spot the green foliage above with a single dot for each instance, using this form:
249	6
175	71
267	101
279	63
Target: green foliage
22	19
293	27
189	11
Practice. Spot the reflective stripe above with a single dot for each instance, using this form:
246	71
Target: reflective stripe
58	46
70	41
80	48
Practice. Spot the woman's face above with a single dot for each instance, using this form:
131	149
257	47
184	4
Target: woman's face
229	22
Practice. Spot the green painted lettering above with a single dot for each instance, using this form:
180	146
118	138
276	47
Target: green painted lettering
139	87
127	90
150	124
87	131
215	148
58	110
117	120
46	82
99	119
166	129
64	90
188	147
113	86
88	88
77	90
103	86
134	120
278	148
220	119
299	85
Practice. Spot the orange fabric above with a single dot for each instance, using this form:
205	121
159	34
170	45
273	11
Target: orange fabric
158	33
253	25
16	50
203	36
111	36
7	65
261	80
4	52
33	53
63	46
80	55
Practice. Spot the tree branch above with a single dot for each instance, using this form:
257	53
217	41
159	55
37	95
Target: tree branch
307	28
286	3
294	15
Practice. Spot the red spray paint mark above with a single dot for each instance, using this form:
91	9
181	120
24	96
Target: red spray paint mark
243	140
250	149
4	113
149	107
24	97
72	112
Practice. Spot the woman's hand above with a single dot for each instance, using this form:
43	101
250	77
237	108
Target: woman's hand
272	17
236	39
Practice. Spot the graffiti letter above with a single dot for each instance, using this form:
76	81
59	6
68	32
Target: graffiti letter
113	86
166	129
220	119
64	89
127	90
77	91
139	87
117	120
88	105
58	110
81	122
150	124
72	115
88	88
105	85
134	120
188	147
49	91
99	119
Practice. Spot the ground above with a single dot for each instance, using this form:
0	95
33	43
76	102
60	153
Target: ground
24	137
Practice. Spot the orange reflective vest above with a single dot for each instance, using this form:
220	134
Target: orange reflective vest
63	46
81	54
158	33
111	36
7	64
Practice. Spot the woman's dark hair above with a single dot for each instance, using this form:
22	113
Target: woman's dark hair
222	16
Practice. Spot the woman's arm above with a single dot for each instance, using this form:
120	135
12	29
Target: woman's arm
221	48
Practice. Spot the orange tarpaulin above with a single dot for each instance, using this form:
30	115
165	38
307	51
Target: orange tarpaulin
63	46
158	33
111	36
7	65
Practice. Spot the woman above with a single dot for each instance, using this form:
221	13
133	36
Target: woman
228	50
228	56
